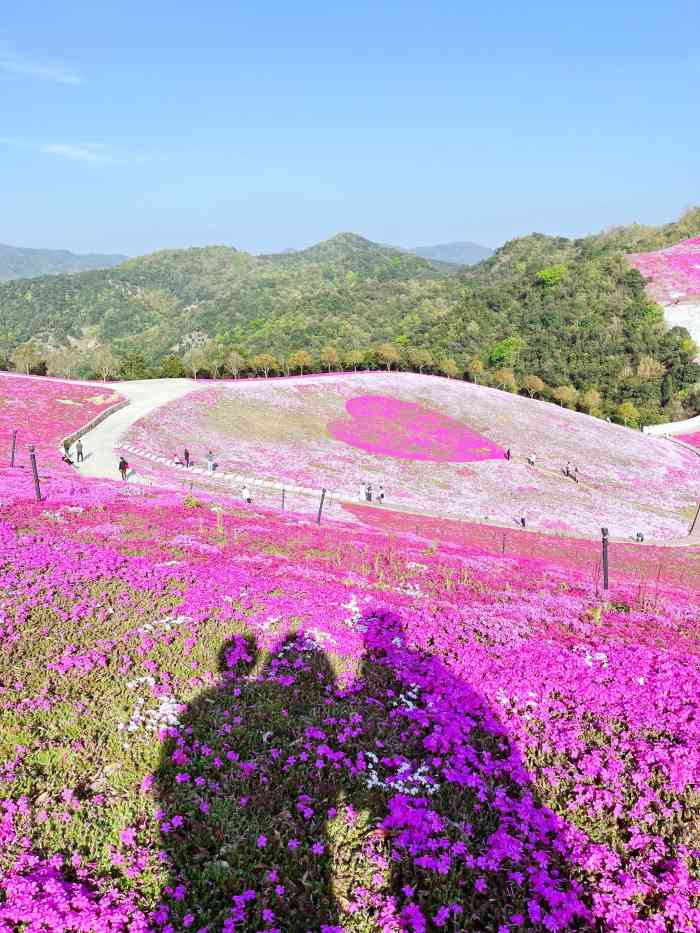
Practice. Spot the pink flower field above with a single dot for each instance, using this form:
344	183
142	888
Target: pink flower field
693	438
44	411
438	447
221	718
674	272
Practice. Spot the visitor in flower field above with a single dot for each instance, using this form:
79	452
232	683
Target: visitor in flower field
245	493
66	448
507	453
380	494
363	492
123	467
210	462
369	492
79	451
531	460
67	459
187	457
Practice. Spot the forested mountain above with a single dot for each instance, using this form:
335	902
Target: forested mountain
17	262
558	318
461	253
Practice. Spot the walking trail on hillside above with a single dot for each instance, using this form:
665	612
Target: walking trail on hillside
144	396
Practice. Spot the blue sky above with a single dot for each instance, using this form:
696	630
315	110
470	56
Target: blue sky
266	126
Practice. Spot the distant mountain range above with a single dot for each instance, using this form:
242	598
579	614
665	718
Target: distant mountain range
17	262
460	253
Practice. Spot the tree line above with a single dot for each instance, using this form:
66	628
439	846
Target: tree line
214	359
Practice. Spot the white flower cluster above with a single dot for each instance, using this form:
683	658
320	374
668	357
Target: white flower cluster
409	699
412	783
355	617
166	713
591	658
164	625
410	589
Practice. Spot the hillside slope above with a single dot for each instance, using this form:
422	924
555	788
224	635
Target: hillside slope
18	262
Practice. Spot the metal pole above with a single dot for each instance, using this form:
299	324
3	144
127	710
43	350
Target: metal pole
14	448
320	506
604	533
35	473
283	499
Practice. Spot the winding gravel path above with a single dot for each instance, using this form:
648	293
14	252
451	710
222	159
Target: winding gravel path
144	396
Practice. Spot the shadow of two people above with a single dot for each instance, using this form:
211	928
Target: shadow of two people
288	802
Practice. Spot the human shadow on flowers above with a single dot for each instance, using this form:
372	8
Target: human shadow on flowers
395	802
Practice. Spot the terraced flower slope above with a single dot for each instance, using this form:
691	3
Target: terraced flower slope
216	718
437	446
675	272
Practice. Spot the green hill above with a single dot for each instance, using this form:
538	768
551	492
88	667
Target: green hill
345	289
17	262
572	312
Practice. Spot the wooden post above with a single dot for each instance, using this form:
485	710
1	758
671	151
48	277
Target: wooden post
283	498
604	533
35	473
695	520
14	448
320	506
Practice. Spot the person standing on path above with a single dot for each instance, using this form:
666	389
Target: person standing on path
247	498
369	492
123	467
363	492
187	458
210	462
380	494
79	451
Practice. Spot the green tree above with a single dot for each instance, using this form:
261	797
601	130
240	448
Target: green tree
565	395
505	379
104	362
419	358
234	363
133	366
590	401
330	358
388	355
355	358
552	276
172	367
533	385
506	352
448	367
476	367
628	414
195	360
63	361
300	360
264	363
26	357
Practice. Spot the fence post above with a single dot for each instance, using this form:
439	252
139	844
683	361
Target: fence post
697	515
14	447
320	506
35	473
283	498
604	533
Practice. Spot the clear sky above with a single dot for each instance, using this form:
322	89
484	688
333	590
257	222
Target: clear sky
274	125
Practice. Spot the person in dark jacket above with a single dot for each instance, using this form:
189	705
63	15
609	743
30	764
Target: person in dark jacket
123	467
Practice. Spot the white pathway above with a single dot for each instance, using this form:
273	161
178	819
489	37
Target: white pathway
144	395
